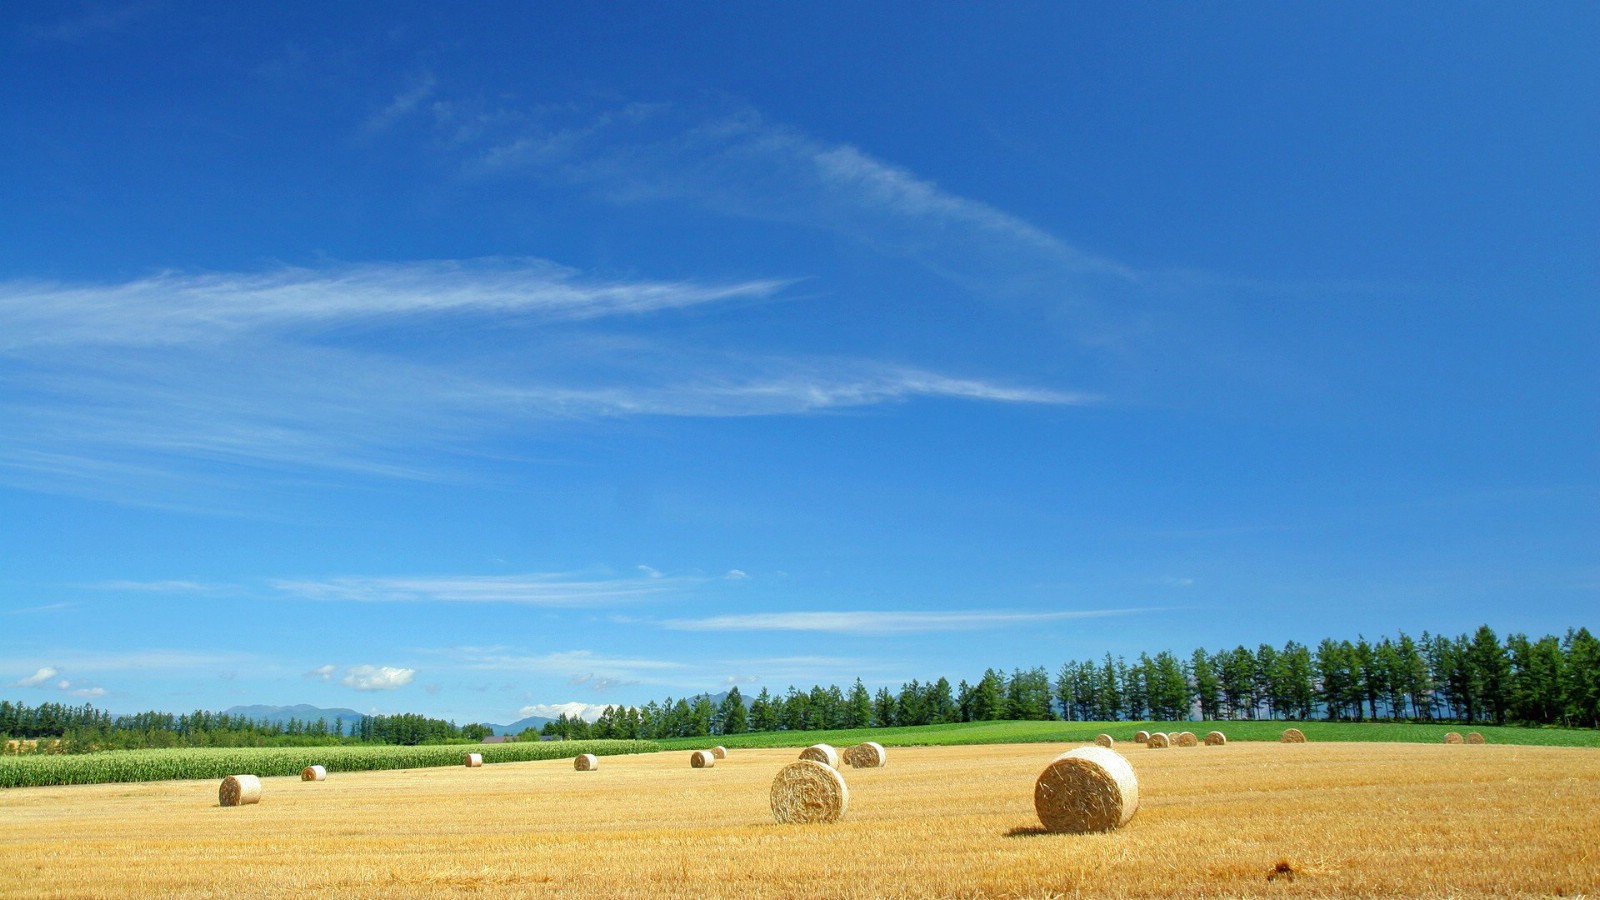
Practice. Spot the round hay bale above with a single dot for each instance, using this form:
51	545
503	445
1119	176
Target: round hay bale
822	753
1293	736
866	755
474	760
1187	739
314	773
238	790
1087	789
719	752
808	791
1454	737
1474	738
1216	739
702	759
1158	741
1104	740
586	762
1141	737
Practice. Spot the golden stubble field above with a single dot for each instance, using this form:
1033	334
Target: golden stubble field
1323	820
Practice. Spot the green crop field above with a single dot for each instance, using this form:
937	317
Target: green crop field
37	770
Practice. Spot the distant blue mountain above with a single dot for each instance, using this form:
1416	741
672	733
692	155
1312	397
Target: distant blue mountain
520	725
302	712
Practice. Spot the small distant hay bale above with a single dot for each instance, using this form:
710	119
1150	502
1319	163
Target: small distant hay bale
719	752
1141	737
1454	737
1216	739
1293	736
822	753
474	760
1187	739
809	791
702	759
314	773
866	755
238	790
1104	740
1087	789
586	762
1474	737
1158	741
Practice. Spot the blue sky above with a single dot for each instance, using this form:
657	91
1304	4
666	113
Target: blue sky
491	361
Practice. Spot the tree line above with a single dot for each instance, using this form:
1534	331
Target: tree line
82	728
1472	679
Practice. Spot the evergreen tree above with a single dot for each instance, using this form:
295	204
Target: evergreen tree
763	717
732	718
858	707
1207	686
883	709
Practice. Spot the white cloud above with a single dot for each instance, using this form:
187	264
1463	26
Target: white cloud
89	693
862	622
378	678
736	575
575	709
138	390
531	590
323	673
38	678
739	164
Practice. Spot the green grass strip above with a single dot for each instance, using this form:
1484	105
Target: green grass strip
1077	732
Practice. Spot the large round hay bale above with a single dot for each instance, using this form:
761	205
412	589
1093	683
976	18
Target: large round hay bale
1293	736
1454	737
474	760
1104	740
1187	739
237	790
1474	738
808	791
822	753
702	759
1216	739
1141	737
314	773
586	762
719	752
1087	789
866	755
1158	741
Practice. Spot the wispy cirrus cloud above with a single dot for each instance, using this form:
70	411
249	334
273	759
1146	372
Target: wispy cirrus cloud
741	164
884	622
556	590
182	384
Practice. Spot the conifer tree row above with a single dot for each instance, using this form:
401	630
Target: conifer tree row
1472	679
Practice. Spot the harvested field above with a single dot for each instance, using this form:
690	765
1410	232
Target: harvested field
1325	820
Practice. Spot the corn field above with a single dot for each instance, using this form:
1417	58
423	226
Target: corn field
220	762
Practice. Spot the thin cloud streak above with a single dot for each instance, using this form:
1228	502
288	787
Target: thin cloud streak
740	164
879	623
156	387
529	590
183	309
